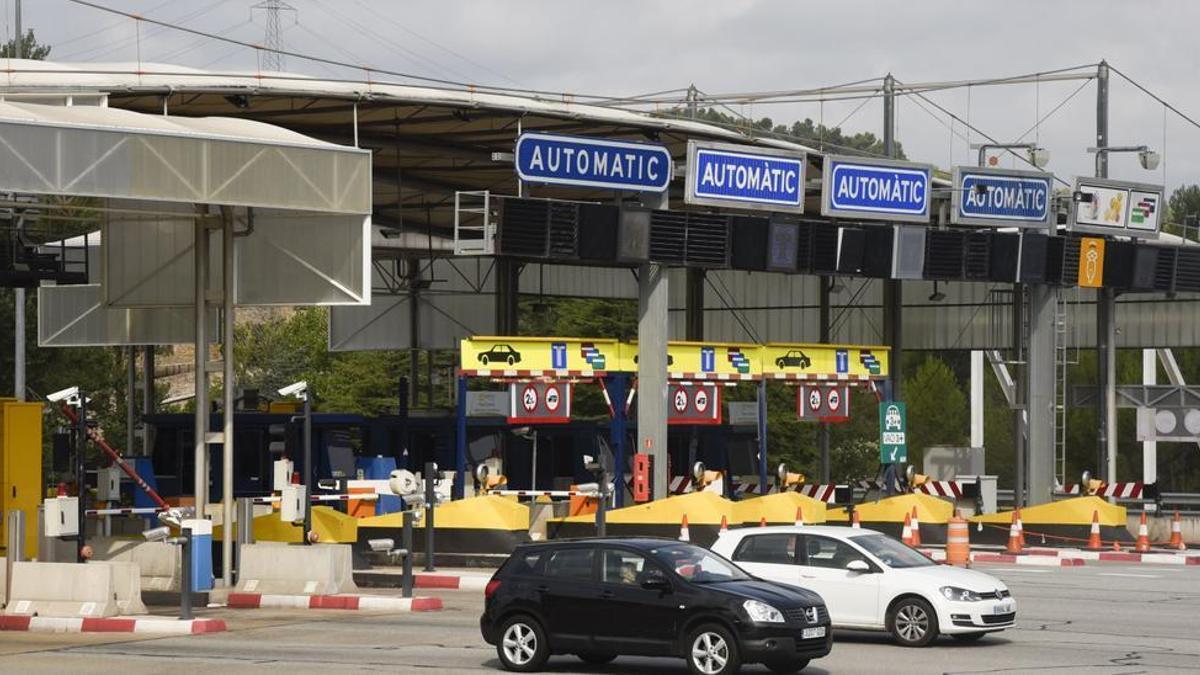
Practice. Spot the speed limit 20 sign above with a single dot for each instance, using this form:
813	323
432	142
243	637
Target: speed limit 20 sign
540	403
694	404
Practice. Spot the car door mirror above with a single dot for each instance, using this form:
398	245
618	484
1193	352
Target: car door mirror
859	566
656	581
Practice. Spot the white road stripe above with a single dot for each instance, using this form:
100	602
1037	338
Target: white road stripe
1120	574
1017	569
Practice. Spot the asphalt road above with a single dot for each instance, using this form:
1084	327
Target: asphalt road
1097	618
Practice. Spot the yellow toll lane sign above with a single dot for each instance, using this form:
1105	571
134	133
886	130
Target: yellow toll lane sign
824	362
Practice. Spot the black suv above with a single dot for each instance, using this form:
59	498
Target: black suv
600	598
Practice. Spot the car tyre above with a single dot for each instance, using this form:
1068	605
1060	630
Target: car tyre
912	622
968	637
511	361
522	646
788	666
712	650
596	658
483	358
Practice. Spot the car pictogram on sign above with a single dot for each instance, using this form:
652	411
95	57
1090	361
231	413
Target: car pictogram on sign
500	354
553	399
794	359
835	400
701	400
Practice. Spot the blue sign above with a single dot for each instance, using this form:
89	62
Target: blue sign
558	355
841	360
708	359
983	197
721	174
879	189
593	162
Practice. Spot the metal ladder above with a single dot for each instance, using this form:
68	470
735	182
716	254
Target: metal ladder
474	229
1063	337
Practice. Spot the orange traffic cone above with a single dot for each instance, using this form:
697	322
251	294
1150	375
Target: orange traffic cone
1014	536
1094	542
799	517
1177	534
916	528
724	524
762	522
854	521
1143	538
1020	527
684	535
906	532
958	541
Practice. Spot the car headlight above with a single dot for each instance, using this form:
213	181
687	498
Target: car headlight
761	612
959	594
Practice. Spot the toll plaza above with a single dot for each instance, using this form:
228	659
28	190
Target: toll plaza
419	221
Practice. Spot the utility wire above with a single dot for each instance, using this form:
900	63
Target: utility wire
1156	97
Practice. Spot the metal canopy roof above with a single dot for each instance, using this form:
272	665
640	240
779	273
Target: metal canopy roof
427	142
109	153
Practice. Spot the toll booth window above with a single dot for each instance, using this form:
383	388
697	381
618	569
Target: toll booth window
779	549
571	563
829	553
623	567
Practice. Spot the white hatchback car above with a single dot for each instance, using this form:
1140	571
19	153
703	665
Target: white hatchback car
870	581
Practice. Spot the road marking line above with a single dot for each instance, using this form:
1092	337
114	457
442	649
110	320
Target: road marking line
1017	569
1120	574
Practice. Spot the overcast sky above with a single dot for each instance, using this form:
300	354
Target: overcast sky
624	47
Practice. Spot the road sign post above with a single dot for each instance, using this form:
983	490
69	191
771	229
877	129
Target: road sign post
893	428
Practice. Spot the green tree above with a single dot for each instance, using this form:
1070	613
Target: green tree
938	411
30	48
806	132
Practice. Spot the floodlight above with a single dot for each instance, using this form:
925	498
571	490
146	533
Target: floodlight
1149	159
1039	157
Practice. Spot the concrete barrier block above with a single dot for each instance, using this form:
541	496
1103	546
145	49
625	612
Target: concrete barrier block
283	569
157	561
62	590
127	584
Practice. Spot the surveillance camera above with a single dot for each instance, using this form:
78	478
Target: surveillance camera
1039	157
698	470
381	545
781	472
64	394
297	389
1149	159
157	533
481	473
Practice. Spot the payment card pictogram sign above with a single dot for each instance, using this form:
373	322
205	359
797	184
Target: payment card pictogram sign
694	404
540	402
823	403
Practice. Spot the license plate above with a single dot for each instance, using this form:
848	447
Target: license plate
810	633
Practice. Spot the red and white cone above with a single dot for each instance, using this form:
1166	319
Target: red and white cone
1014	536
1143	538
916	528
1020	528
1177	534
724	524
684	535
1094	541
762	522
854	521
906	532
799	517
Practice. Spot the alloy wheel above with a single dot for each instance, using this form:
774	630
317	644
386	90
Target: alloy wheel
520	644
710	653
912	623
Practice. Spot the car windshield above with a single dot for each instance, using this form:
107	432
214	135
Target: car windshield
698	565
891	552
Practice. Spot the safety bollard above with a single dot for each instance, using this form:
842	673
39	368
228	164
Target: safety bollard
406	540
185	574
430	500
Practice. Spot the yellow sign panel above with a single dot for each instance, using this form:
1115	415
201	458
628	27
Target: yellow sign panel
704	360
824	362
1091	262
538	356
